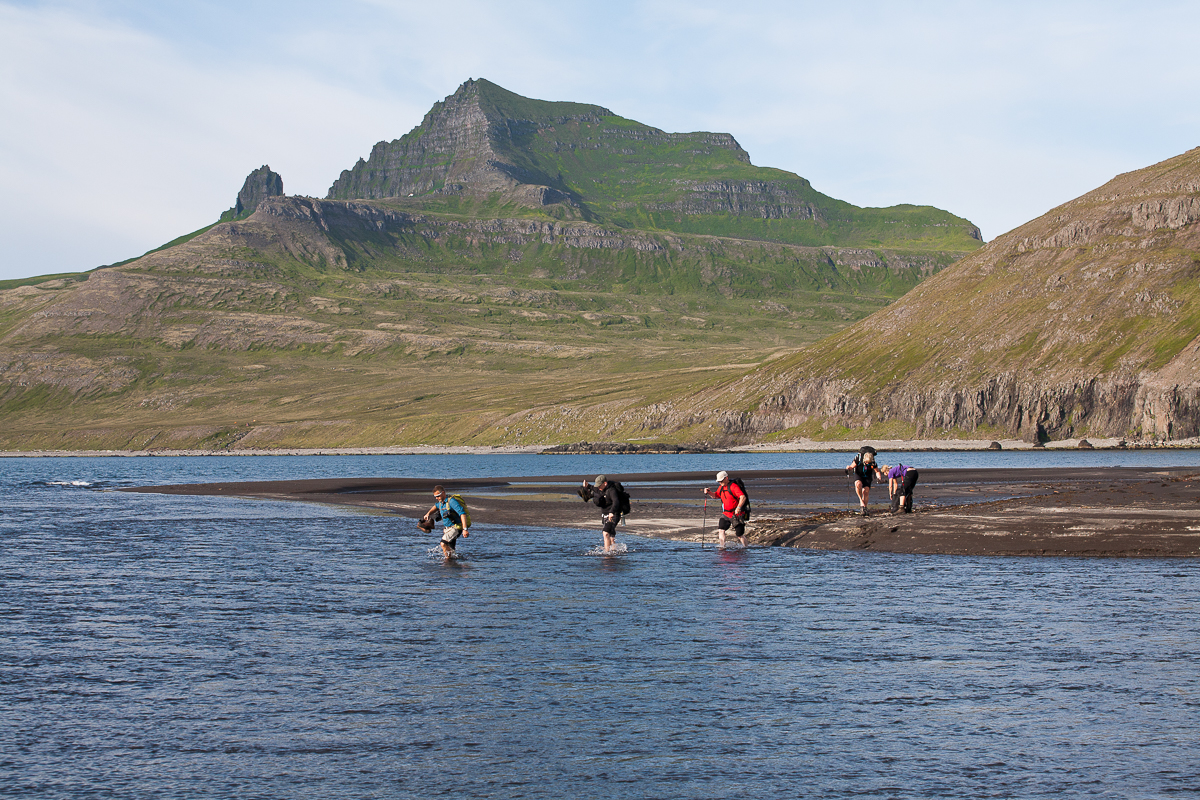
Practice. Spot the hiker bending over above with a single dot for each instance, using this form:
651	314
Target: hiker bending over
865	470
733	504
452	513
608	497
901	481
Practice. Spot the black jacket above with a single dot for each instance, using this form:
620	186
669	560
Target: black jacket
608	500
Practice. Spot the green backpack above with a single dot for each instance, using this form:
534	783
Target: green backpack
466	514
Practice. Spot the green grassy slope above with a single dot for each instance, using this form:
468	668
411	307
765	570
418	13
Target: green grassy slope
276	331
1084	321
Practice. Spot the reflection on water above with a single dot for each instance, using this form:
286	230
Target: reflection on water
162	646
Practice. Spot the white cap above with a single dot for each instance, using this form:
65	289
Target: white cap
722	475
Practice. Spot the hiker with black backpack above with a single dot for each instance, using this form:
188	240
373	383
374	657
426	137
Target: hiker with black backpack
452	512
735	505
864	471
612	500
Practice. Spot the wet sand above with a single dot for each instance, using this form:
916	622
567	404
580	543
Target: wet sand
1114	512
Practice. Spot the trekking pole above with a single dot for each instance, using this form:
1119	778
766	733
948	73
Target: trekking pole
704	525
849	492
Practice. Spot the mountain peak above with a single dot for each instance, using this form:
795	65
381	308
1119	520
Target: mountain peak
484	147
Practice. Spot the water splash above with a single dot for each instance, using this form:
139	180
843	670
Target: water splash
618	549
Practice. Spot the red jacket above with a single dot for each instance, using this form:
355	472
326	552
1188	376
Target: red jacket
730	498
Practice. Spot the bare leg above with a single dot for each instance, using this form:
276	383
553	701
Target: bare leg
609	541
720	538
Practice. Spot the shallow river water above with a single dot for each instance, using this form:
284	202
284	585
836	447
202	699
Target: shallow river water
166	646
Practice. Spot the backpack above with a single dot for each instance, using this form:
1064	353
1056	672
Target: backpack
622	498
465	518
860	460
742	486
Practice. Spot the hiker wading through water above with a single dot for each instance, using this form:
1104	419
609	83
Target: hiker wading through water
865	471
453	517
608	498
733	504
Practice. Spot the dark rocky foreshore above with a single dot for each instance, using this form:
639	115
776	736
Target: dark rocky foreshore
1122	511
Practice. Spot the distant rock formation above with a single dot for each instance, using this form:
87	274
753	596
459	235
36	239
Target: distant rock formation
260	184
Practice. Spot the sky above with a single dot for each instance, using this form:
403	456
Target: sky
126	124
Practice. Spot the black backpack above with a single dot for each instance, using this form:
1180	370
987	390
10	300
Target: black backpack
742	486
859	463
622	498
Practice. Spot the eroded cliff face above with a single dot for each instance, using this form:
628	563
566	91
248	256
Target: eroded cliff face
462	145
260	184
1082	322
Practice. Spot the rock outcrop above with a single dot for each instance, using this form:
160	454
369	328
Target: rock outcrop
260	184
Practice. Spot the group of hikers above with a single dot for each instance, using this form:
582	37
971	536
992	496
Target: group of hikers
613	501
901	480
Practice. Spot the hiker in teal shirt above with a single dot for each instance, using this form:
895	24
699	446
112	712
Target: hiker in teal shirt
453	517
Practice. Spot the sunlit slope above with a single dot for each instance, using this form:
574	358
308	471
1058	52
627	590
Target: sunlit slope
1083	321
328	323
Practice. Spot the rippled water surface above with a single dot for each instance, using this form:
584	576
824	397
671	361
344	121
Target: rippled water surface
161	646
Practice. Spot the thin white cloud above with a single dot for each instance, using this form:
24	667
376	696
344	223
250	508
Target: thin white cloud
130	123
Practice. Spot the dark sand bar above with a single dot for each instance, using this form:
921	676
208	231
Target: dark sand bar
1115	511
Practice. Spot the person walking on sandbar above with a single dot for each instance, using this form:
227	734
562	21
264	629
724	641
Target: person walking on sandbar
865	470
901	482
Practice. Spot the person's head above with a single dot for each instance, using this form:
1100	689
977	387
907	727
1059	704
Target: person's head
601	481
868	458
439	493
723	478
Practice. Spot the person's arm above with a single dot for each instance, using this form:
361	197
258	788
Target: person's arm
462	515
456	509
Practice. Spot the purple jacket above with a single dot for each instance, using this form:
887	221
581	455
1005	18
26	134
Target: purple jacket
898	471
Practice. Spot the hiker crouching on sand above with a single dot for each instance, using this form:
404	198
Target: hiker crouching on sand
901	481
608	498
733	505
449	511
865	470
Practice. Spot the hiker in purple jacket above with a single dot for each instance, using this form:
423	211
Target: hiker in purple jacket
901	480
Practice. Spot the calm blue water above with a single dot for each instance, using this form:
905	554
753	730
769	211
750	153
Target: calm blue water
164	647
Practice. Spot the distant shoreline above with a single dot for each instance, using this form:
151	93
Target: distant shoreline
797	446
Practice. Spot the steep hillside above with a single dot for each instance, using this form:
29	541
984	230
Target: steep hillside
1084	321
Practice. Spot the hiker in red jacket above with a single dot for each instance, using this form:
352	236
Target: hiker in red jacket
733	503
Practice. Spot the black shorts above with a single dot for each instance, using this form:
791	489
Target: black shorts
609	526
866	479
738	524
